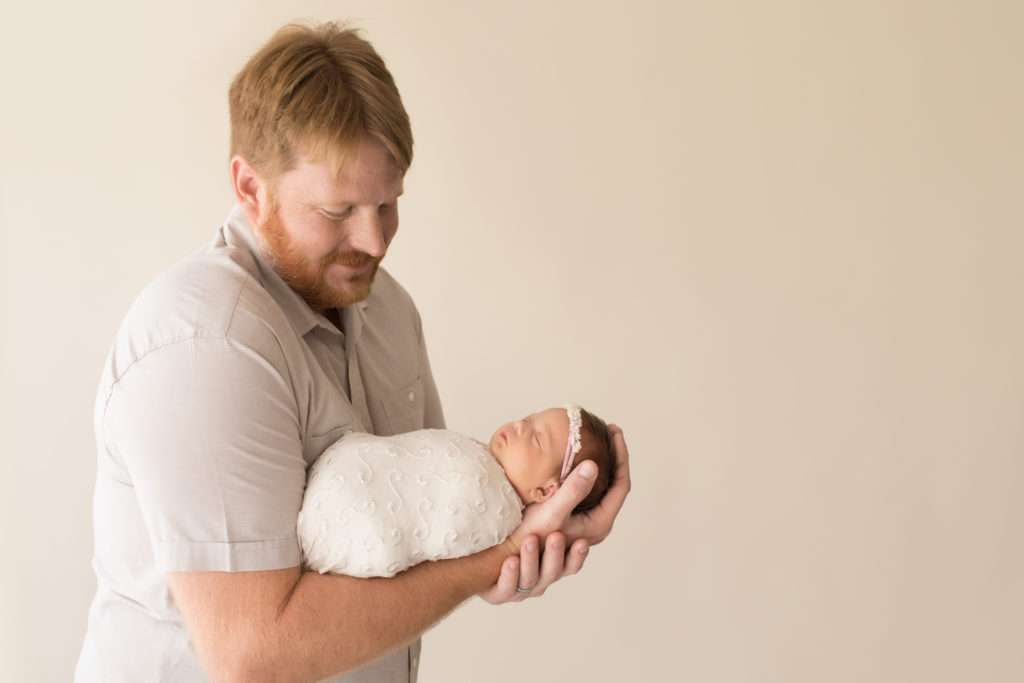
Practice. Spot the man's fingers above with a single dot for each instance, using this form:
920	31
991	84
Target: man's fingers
616	495
505	589
553	562
529	568
556	563
576	556
537	571
621	455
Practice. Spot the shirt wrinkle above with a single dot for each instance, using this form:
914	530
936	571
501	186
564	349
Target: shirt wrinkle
234	305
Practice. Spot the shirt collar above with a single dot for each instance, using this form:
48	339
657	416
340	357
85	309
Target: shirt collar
238	233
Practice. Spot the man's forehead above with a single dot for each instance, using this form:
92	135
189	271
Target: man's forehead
348	161
355	173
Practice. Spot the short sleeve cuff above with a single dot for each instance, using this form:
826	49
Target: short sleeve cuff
191	556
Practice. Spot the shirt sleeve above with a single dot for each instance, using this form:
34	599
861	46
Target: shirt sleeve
208	433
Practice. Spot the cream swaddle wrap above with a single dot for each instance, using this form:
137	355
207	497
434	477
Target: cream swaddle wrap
376	505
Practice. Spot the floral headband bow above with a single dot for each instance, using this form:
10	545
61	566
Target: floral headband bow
574	445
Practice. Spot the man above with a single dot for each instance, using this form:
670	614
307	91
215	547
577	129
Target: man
233	371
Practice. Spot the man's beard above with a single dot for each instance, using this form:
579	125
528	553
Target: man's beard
306	277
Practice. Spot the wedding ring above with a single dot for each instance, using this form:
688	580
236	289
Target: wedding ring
523	590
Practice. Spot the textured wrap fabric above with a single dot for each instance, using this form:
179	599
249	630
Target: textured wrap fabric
377	505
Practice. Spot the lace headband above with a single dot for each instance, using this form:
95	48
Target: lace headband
574	445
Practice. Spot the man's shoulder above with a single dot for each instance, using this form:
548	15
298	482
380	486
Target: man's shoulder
215	292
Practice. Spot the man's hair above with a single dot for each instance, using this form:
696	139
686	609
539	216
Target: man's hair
596	445
315	91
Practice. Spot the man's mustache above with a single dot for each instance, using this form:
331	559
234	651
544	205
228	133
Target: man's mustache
350	258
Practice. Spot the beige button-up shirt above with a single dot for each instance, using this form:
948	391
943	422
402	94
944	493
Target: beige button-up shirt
221	388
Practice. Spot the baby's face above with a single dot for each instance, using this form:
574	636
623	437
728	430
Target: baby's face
531	452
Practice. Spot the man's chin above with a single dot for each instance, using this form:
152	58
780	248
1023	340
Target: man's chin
339	297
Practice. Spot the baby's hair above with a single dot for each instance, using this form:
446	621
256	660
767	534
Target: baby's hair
596	445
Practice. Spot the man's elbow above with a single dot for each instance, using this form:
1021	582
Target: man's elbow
260	661
249	660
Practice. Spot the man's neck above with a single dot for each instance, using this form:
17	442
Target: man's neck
334	316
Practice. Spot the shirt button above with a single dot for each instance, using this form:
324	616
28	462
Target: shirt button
412	396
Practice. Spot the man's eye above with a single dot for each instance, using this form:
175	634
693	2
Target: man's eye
338	215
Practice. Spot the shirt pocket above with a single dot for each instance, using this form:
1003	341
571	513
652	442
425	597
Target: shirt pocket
402	409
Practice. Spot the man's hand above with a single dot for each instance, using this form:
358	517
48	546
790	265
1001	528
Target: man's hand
553	523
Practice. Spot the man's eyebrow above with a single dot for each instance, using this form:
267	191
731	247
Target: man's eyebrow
340	200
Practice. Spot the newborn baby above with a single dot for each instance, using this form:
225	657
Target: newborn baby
376	505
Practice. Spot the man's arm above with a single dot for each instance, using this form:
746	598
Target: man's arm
289	625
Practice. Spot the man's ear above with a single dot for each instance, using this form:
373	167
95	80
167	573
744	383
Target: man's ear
250	189
542	493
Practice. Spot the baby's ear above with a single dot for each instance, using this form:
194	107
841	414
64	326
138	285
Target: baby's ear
542	493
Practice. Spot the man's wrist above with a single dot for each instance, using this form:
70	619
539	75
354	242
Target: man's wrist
511	545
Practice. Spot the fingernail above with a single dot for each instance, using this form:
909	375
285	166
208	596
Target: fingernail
514	563
530	546
584	550
588	470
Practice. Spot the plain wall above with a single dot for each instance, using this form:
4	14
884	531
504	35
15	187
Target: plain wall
778	243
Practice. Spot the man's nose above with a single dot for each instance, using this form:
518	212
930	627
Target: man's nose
367	234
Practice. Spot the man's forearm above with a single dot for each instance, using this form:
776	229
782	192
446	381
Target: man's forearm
289	625
371	617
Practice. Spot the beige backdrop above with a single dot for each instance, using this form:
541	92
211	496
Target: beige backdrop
778	242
